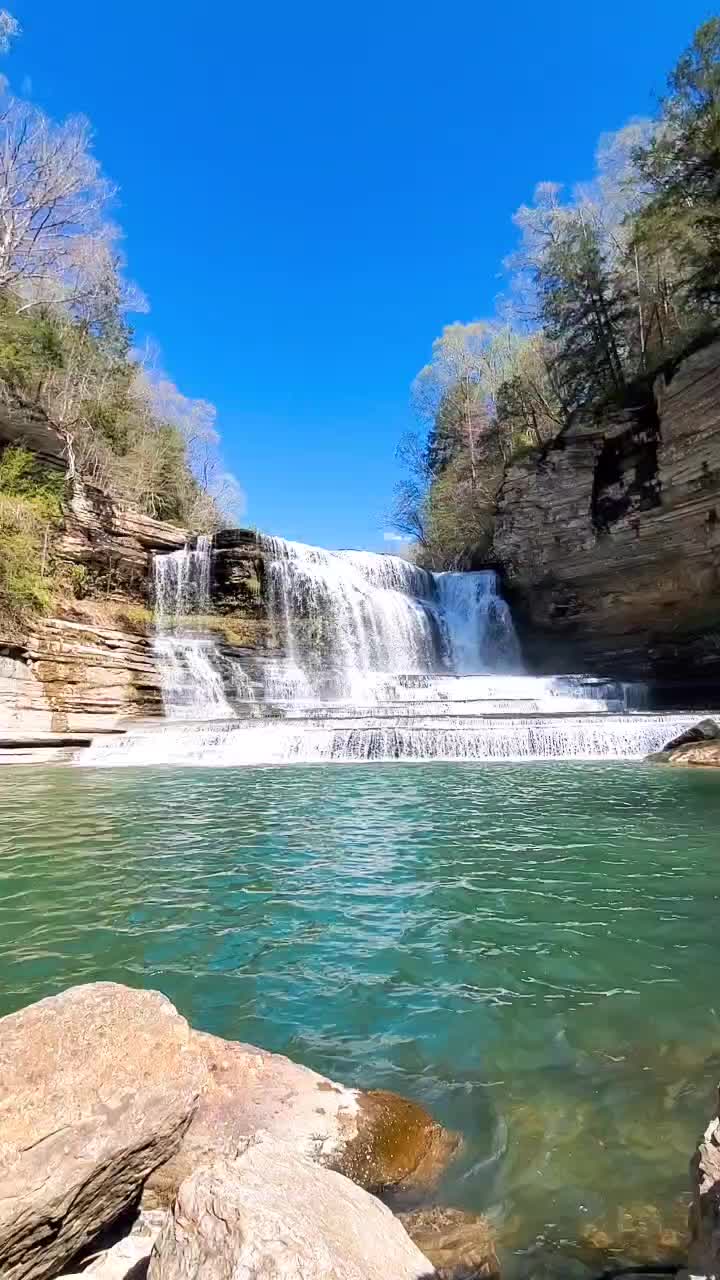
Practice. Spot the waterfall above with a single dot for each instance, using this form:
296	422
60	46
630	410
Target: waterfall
191	682
349	619
480	628
508	740
374	659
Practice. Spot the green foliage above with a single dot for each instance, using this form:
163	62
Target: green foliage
22	475
30	508
585	310
30	345
137	617
681	166
78	579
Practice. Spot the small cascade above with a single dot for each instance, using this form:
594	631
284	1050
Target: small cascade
505	739
480	630
188	661
374	659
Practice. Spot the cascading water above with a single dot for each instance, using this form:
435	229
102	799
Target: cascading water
480	630
190	679
374	659
343	618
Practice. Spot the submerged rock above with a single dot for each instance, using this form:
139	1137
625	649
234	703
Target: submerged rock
637	1234
377	1139
460	1245
700	745
395	1144
97	1087
275	1215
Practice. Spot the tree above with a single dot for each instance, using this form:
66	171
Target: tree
409	510
53	200
449	393
680	166
585	310
9	29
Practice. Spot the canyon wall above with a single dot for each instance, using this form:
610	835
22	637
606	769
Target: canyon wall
609	543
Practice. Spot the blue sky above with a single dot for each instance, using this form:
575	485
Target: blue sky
310	192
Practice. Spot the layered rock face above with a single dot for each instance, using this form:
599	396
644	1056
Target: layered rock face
610	543
84	671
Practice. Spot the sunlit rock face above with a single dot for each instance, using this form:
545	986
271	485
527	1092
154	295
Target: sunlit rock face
610	543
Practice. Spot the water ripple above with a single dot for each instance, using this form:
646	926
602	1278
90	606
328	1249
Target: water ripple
529	950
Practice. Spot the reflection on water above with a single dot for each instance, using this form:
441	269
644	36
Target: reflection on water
528	950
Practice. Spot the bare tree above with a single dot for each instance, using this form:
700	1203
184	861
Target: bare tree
53	200
9	29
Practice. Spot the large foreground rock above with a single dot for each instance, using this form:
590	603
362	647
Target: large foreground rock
377	1139
97	1087
704	1256
274	1215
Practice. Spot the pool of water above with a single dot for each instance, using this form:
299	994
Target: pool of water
530	950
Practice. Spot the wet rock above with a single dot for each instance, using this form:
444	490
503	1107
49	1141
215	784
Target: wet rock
377	1139
97	1087
704	1255
274	1215
460	1245
396	1144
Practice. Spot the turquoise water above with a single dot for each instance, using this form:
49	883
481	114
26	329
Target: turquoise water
529	950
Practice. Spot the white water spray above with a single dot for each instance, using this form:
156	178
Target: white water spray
189	663
348	620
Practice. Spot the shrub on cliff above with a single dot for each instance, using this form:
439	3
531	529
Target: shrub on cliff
30	511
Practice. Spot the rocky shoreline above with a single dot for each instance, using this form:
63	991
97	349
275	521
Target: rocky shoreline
202	1156
132	1146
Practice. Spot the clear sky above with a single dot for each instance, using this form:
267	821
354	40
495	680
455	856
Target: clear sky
310	192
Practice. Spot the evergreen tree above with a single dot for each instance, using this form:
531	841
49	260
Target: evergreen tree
681	167
586	312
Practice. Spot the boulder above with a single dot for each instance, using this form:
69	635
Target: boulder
272	1214
699	745
704	1253
704	731
460	1245
377	1139
128	1257
394	1143
701	755
97	1087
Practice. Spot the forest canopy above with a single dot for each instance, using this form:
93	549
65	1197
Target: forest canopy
610	283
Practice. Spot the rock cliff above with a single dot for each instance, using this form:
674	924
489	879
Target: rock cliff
609	541
90	665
